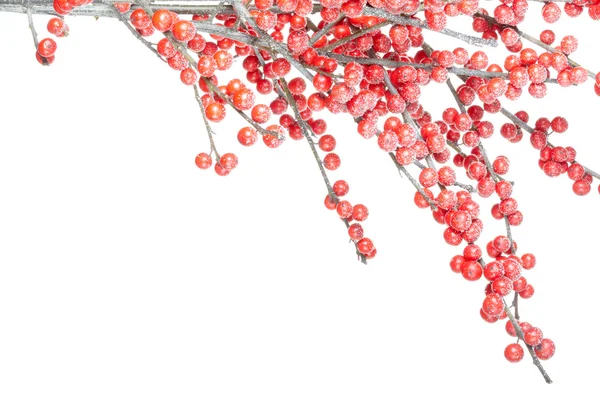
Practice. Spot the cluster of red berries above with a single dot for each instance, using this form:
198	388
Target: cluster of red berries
357	60
544	348
57	27
225	163
529	66
64	7
554	160
551	11
351	213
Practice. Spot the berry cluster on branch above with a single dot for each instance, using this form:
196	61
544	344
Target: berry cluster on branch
369	59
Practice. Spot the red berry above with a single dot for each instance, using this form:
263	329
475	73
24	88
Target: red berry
502	285
206	65
243	99
228	160
203	161
46	47
488	318
215	111
527	292
329	203
471	270
355	231
456	263
452	236
533	336
581	187
247	136
341	188
510	328
327	143
139	19
57	27
461	220
189	76
344	209
365	245
165	48
197	43
360	212
493	304
529	260
184	30
221	171
514	352
123	7
331	161
545	350
519	284
162	20
272	141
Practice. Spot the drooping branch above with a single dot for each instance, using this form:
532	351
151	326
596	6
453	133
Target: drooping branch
209	130
307	135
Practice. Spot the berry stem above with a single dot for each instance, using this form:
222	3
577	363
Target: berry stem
414	182
209	129
353	36
34	33
135	33
326	29
32	27
215	90
515	305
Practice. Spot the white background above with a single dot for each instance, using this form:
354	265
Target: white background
128	273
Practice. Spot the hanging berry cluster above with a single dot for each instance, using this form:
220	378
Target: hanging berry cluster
369	59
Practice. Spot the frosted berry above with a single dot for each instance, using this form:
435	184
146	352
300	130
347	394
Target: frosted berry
514	352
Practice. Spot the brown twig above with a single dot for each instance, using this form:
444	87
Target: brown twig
135	33
306	130
209	130
325	29
34	35
353	36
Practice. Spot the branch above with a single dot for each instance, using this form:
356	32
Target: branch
530	130
34	35
135	33
306	133
325	29
349	38
400	19
256	126
209	130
